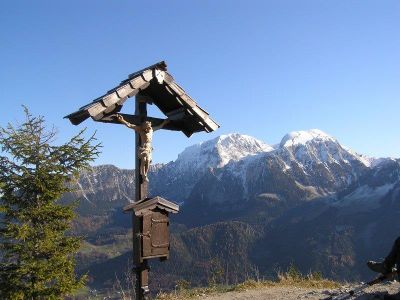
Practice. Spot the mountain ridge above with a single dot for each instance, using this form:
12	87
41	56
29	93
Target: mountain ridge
312	160
311	201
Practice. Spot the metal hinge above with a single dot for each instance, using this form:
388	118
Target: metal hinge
147	234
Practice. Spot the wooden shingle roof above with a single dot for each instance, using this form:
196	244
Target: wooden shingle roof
157	86
145	205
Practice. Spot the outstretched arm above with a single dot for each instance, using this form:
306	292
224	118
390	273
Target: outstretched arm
165	122
126	123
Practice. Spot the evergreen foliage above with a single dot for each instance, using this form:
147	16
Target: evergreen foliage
37	253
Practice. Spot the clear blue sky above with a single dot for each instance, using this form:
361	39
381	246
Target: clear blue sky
262	68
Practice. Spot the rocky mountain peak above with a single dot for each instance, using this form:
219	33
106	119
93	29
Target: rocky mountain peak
217	152
316	146
237	146
303	137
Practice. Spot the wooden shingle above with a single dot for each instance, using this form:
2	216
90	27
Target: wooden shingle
157	85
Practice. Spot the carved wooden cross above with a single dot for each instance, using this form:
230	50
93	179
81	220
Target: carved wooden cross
152	85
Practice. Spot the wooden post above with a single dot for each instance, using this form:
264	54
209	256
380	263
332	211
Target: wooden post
141	185
141	267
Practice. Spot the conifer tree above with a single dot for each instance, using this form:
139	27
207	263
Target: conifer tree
36	246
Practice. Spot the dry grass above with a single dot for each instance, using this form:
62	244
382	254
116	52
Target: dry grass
190	293
291	277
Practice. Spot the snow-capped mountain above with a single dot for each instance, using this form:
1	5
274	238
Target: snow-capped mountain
323	161
327	202
305	165
302	137
216	153
177	179
236	170
316	146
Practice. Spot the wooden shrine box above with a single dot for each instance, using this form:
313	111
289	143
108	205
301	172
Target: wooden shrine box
152	230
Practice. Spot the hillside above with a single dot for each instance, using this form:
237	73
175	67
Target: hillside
246	208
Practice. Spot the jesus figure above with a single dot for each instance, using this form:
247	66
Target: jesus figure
145	131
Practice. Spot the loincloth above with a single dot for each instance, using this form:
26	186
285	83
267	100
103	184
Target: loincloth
145	152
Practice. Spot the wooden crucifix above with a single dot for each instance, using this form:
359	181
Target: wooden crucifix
150	216
143	157
144	149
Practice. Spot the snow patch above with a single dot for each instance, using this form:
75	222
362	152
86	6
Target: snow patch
302	137
365	197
